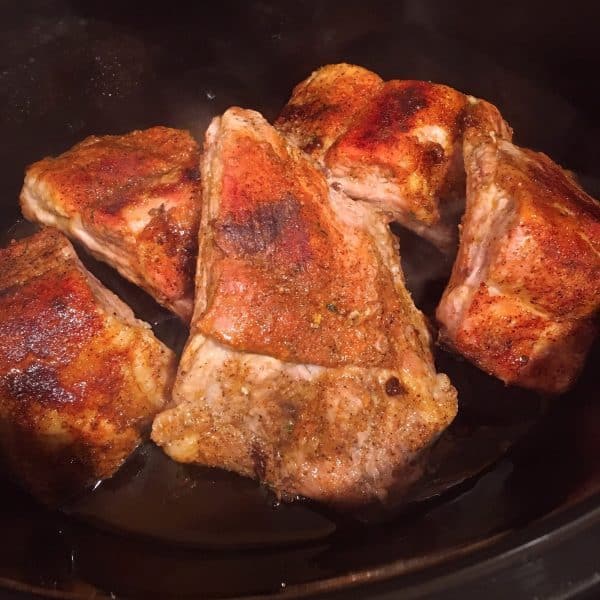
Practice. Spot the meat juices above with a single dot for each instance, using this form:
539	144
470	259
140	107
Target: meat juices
80	377
132	201
308	366
524	294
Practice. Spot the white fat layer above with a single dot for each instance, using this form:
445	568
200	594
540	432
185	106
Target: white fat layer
432	133
489	218
204	357
488	215
35	207
372	188
211	177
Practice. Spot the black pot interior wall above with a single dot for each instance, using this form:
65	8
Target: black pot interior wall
72	68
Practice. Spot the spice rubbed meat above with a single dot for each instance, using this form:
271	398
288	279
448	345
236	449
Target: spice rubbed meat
396	145
132	201
80	377
523	299
324	105
307	366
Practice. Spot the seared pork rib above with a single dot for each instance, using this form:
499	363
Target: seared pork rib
80	377
524	294
323	106
132	201
307	366
396	144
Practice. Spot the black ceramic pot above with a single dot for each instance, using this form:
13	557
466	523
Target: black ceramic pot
513	509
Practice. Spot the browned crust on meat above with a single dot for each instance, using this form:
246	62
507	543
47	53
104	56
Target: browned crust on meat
71	406
502	336
322	106
275	253
108	182
384	141
533	315
308	366
553	254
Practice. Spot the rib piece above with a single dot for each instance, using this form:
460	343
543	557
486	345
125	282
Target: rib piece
80	377
397	145
402	152
525	288
307	366
132	201
323	105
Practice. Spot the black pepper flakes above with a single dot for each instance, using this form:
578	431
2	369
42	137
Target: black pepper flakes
393	387
260	461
